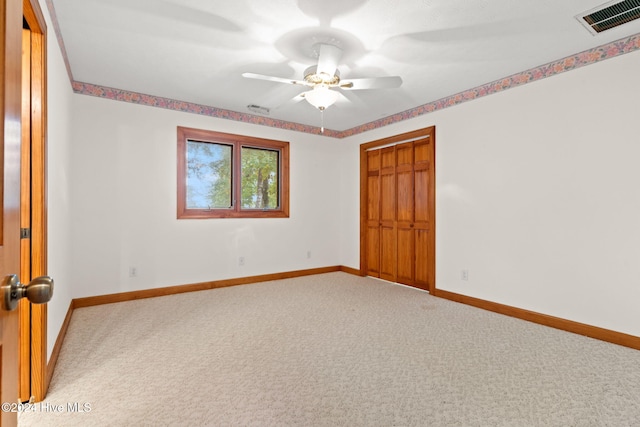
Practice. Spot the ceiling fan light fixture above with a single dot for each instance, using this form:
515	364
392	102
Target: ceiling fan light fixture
321	97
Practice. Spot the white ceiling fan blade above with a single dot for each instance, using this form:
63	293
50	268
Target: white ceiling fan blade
292	101
274	79
389	82
354	99
328	59
342	99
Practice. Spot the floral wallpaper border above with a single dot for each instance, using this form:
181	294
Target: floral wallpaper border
188	107
569	63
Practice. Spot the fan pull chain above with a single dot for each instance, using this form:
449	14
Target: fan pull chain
322	120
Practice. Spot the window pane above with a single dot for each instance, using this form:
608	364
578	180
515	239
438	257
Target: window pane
208	175
260	177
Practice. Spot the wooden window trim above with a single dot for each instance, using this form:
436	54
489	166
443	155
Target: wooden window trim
237	141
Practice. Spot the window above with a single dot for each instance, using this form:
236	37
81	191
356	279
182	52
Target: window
221	175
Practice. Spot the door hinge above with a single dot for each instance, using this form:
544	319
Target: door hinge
25	233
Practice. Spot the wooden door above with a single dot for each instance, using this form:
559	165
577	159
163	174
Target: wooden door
414	199
33	375
24	306
398	209
423	209
388	241
373	213
405	257
10	86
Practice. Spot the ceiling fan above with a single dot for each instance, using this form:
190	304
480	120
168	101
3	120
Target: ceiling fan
324	78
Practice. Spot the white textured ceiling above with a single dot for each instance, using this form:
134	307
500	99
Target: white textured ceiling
197	50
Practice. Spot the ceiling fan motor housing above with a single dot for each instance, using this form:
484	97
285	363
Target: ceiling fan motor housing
312	77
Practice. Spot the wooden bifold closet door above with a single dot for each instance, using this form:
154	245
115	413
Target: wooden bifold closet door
399	213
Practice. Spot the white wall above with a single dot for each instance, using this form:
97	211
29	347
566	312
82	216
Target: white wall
349	158
124	205
58	185
537	195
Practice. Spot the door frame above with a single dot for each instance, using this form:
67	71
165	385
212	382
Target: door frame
429	132
37	372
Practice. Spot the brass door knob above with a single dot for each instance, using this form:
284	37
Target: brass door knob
38	291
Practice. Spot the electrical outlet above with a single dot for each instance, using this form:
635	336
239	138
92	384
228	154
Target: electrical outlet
308	254
241	261
464	275
133	272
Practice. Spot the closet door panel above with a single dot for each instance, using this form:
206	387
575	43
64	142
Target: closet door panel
422	196
423	200
387	214
387	197
373	213
404	181
387	253
422	151
373	251
421	279
406	256
405	194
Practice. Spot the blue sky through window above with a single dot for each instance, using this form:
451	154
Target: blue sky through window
202	174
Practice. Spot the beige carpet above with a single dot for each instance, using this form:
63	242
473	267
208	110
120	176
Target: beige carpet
331	350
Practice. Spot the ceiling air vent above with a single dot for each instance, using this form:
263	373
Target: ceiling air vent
610	15
258	109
